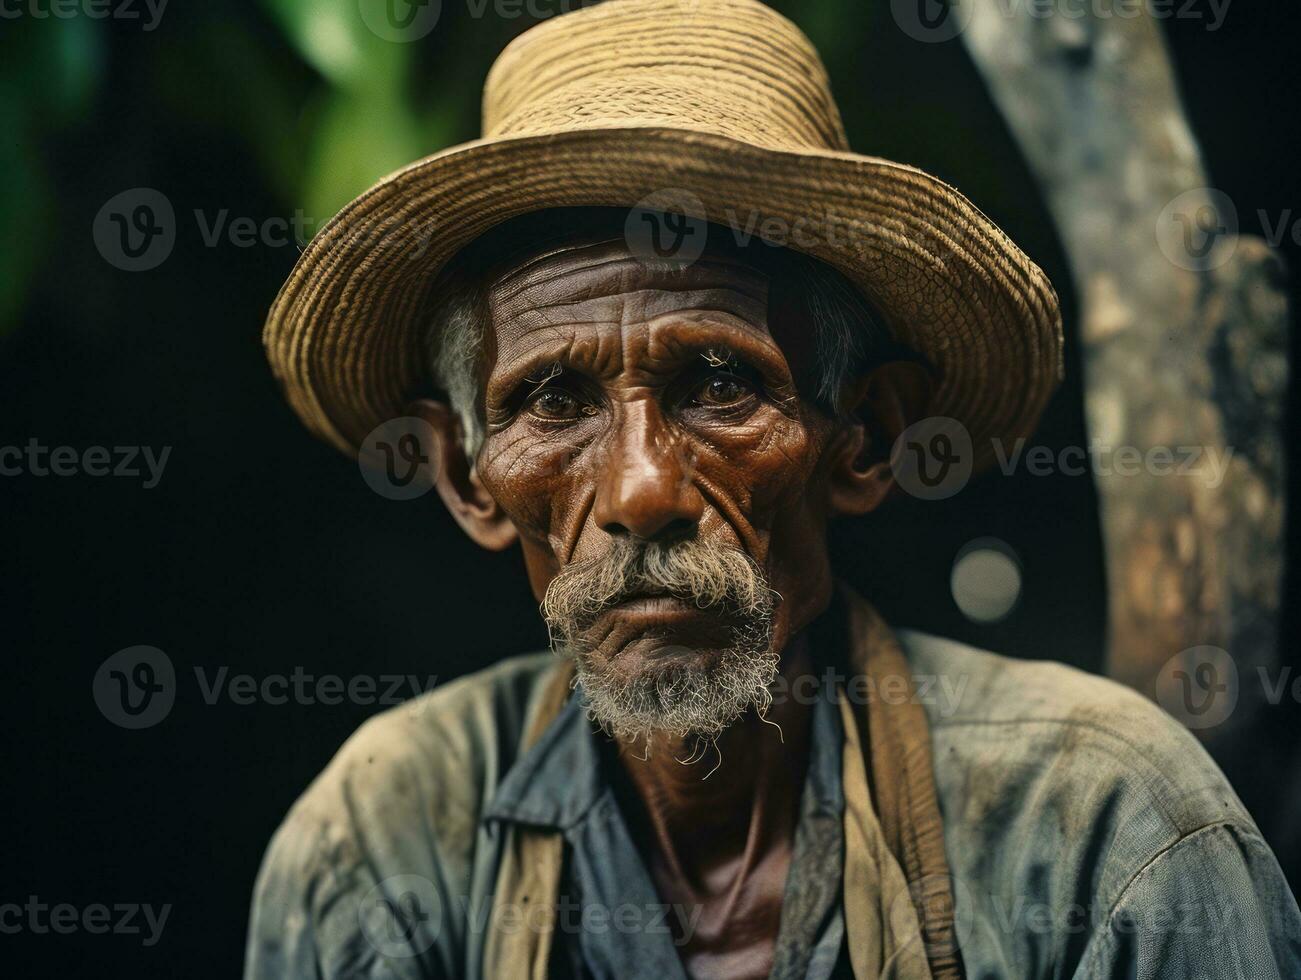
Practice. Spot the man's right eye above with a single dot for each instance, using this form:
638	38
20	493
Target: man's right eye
554	405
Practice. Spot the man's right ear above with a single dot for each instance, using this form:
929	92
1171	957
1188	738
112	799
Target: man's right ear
479	515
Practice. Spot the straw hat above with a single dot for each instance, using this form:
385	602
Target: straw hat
721	102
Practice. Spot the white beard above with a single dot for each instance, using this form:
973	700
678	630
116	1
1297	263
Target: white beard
700	694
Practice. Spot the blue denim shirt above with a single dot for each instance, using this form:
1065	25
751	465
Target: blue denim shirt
1088	836
560	785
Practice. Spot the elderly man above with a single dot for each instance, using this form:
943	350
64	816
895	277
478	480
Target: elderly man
727	767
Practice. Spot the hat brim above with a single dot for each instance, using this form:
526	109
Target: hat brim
346	336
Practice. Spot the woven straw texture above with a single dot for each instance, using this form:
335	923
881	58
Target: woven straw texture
722	99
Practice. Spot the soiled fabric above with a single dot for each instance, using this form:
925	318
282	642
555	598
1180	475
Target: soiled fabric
892	833
1086	834
898	891
608	920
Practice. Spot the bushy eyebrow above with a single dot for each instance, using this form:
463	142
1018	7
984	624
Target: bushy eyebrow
719	356
683	345
544	373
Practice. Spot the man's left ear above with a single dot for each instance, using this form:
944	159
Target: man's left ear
879	406
463	493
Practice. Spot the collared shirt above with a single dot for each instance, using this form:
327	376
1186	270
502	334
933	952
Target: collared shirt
1088	836
611	922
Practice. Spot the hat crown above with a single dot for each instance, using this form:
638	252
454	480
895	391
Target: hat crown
731	67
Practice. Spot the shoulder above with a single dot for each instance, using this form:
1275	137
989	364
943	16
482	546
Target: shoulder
1001	690
453	741
1048	771
1085	826
1076	724
403	796
441	753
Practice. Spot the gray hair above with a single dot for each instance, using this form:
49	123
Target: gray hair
849	337
457	341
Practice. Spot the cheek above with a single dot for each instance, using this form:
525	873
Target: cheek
528	475
760	471
770	471
763	466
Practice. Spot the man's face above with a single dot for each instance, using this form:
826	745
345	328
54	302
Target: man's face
645	438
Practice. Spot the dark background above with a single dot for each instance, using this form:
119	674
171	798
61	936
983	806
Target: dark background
261	550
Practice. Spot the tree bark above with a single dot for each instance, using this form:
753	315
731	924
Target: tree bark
1183	325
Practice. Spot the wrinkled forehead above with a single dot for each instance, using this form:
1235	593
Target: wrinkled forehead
600	283
566	267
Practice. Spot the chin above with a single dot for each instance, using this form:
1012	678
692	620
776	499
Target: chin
645	654
671	682
651	634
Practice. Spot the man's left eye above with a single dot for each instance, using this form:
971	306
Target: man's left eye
722	390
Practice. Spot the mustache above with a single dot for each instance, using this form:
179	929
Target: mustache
709	575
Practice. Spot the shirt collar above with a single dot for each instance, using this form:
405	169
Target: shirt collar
823	790
557	781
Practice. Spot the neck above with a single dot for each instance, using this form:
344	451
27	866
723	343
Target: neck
742	793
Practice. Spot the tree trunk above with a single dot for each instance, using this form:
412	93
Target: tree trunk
1183	326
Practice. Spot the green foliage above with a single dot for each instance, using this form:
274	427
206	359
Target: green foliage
46	81
363	125
322	104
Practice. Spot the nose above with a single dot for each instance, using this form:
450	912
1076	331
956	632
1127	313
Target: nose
644	486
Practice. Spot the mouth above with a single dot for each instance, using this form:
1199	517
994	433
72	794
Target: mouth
661	606
664	615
